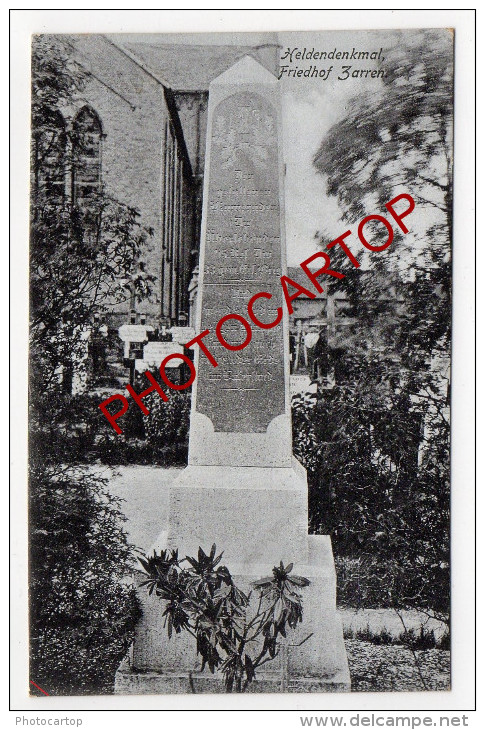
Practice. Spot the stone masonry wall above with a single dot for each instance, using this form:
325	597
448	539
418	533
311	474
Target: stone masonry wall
133	113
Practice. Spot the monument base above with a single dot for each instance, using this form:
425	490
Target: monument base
158	665
130	682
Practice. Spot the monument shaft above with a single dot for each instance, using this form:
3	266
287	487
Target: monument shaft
243	256
241	410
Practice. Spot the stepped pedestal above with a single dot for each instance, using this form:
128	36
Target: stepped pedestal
242	488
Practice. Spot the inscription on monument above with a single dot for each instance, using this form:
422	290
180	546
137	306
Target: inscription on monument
242	258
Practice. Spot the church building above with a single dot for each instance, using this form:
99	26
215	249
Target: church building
144	113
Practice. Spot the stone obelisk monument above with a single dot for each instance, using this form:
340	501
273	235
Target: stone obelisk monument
242	488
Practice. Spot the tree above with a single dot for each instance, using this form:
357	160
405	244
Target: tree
81	262
399	137
82	611
382	455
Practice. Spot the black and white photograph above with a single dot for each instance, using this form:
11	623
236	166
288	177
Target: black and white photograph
240	344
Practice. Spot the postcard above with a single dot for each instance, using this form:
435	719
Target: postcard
240	381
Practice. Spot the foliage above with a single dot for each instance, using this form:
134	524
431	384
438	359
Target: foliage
400	136
168	421
424	639
85	254
400	139
80	262
203	600
55	77
383	638
85	251
160	437
82	612
377	445
368	491
71	429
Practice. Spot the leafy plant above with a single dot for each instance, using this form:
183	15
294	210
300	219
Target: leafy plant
168	421
80	263
202	599
381	638
425	639
86	254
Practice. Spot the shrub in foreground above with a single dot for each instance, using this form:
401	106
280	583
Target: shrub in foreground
82	611
232	636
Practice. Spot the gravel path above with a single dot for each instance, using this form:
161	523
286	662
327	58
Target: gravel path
393	668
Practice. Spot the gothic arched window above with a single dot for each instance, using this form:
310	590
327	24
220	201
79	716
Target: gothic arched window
86	149
50	146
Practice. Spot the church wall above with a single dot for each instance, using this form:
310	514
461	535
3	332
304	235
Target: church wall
133	111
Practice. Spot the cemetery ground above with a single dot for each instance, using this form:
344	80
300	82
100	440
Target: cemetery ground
382	657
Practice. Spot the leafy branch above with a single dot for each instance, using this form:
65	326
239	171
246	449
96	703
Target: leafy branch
201	598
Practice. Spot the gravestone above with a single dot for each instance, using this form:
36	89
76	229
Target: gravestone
242	488
155	352
182	334
133	333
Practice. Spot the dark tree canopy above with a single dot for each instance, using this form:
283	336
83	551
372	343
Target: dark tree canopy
401	137
400	140
86	248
